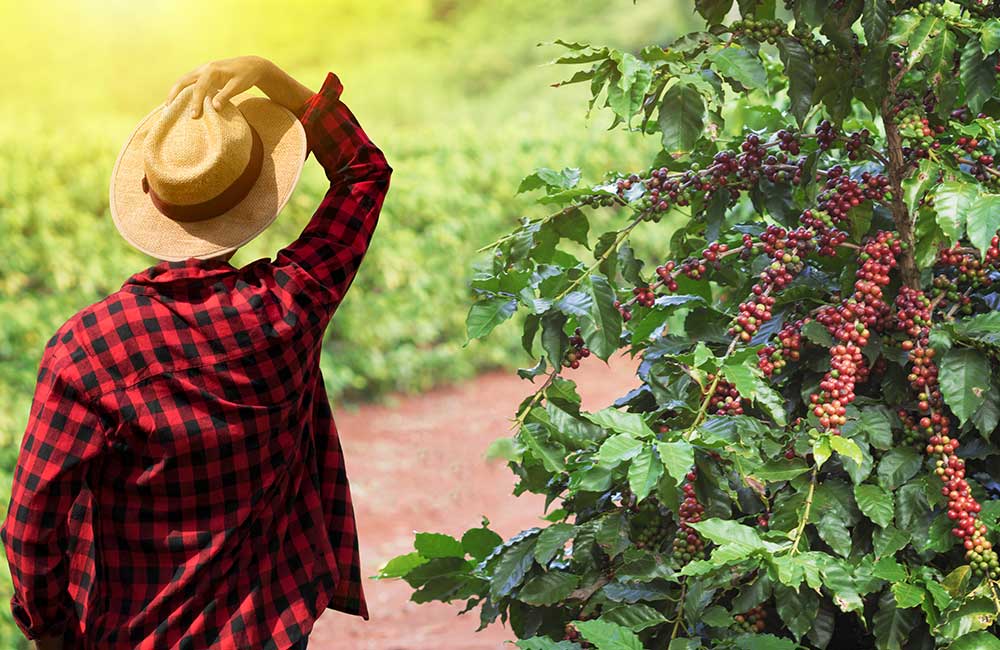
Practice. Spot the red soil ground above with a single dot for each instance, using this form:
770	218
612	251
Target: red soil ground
418	465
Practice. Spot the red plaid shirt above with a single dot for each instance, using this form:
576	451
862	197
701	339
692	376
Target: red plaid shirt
180	484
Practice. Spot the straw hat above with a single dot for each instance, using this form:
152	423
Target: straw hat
185	187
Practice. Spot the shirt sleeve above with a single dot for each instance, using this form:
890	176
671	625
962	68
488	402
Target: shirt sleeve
330	248
62	437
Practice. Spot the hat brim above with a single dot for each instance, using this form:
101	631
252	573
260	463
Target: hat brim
155	234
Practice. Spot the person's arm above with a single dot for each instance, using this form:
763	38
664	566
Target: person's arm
330	248
332	245
62	437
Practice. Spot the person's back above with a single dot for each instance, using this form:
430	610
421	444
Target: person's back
181	483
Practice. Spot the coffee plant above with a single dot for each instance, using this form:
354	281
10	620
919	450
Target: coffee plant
808	457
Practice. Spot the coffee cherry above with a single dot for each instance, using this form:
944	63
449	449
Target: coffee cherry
688	544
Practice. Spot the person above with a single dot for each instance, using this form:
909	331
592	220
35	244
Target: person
180	484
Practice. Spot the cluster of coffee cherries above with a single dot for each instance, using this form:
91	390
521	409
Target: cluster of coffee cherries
786	249
663	191
666	274
644	296
963	508
930	9
856	142
725	399
651	526
841	193
849	324
576	352
818	51
623	310
919	136
688	544
968	269
775	356
826	135
754	620
788	141
760	30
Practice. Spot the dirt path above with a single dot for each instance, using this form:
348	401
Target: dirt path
418	465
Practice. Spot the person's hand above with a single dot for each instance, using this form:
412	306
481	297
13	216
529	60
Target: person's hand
221	79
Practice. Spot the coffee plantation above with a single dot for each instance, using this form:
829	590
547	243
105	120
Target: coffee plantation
808	458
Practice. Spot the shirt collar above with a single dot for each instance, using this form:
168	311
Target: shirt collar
193	270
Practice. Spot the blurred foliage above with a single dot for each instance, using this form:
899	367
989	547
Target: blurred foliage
448	89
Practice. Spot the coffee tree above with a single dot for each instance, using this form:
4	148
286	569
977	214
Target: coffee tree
809	457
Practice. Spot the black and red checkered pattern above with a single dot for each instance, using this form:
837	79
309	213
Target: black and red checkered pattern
180	484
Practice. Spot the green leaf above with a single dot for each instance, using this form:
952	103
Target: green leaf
552	540
551	454
911	506
990	36
822	450
730	533
612	534
847	448
781	469
603	328
973	615
832	528
907	595
965	380
939	57
801	76
554	339
550	178
636	617
875	503
877	428
548	588
751	384
987	416
545	643
572	225
889	541
983	221
898	466
480	542
606	635
682	118
485	315
400	565
797	608
625	95
677	458
977	74
512	567
621	422
431	545
952	200
617	449
920	42
644	473
893	625
713	11
956	581
737	63
875	20
976	641
763	642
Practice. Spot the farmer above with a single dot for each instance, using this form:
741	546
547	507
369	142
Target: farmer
180	484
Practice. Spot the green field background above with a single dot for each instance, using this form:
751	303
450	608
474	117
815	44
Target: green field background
456	93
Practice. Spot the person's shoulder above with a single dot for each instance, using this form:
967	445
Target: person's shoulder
87	340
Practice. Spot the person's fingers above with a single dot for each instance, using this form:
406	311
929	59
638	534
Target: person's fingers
231	88
201	88
181	84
